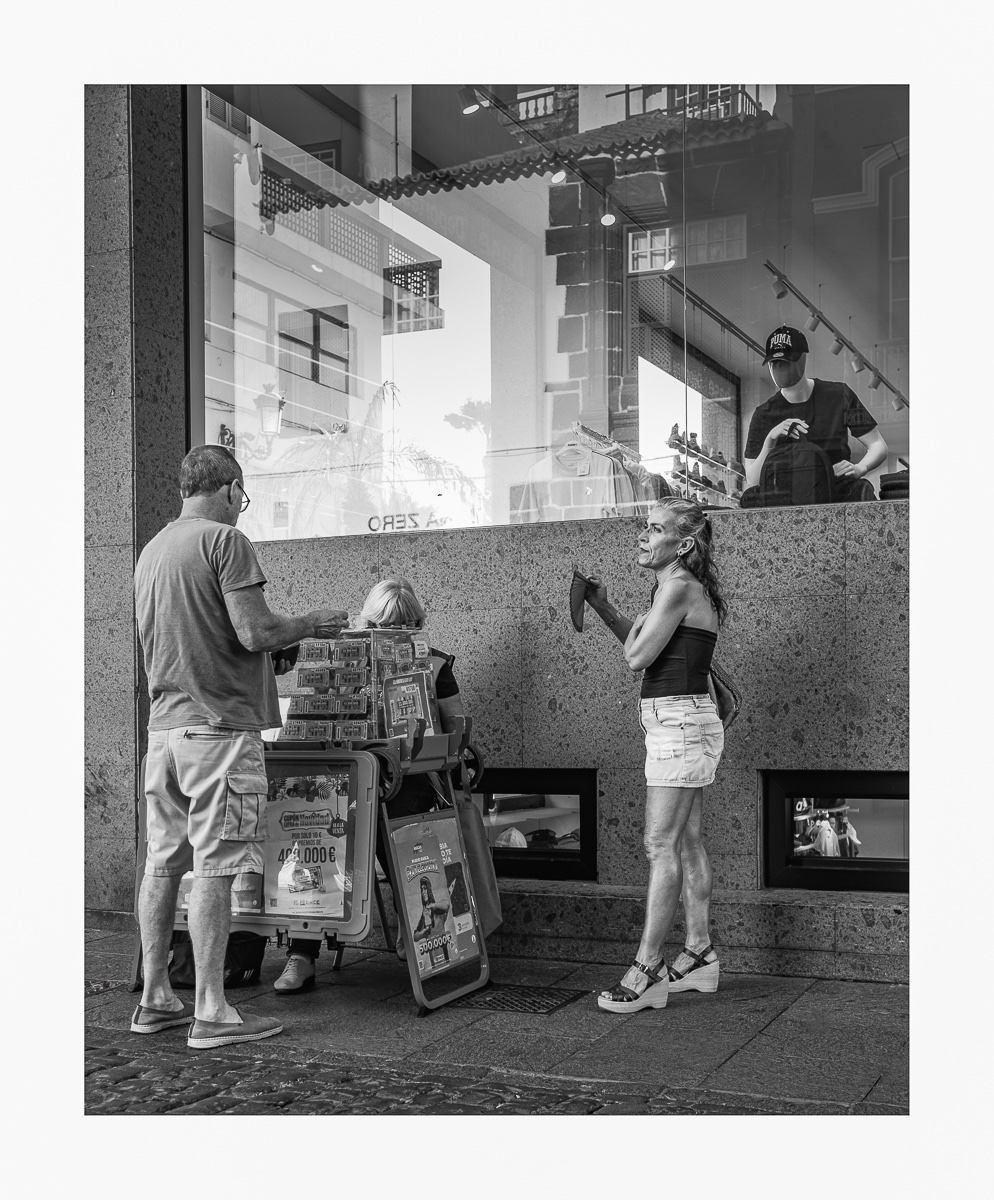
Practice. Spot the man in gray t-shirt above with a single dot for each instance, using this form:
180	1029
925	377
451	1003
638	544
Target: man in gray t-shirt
209	640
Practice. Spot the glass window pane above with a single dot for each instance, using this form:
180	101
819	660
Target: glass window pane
495	350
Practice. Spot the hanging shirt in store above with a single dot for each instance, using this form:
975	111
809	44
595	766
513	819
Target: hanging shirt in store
572	484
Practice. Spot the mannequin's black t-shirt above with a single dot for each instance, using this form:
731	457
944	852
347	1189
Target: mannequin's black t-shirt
830	410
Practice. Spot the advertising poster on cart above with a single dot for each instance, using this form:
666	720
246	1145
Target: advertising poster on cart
311	845
441	928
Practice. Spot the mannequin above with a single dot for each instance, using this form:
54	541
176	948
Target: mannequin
824	412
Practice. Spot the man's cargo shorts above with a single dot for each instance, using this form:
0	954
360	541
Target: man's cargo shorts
205	789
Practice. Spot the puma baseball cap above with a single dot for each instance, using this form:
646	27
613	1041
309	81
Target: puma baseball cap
786	344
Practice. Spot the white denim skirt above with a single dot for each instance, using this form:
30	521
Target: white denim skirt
684	739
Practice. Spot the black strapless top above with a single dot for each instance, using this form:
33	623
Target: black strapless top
683	664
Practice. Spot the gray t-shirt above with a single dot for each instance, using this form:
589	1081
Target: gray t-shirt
198	671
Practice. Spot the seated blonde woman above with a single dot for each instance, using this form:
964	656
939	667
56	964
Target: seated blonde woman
391	604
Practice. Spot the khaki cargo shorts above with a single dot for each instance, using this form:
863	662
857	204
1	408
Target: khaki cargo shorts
205	789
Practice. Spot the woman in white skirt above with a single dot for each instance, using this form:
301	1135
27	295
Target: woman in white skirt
673	644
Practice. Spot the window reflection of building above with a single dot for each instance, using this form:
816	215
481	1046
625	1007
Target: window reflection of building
707	182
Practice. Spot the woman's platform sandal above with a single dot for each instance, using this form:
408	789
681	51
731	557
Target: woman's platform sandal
701	977
624	999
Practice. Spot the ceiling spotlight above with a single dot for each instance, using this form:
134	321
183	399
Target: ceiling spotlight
857	364
668	266
315	267
812	322
779	288
608	218
897	402
468	100
874	382
837	346
559	176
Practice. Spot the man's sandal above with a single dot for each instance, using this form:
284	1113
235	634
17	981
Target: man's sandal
624	999
701	977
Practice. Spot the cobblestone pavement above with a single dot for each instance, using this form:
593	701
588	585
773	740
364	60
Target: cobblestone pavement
146	1080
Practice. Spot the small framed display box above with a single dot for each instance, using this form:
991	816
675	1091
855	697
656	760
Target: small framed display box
446	953
318	858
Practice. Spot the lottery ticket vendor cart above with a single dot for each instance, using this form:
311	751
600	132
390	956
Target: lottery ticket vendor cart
326	792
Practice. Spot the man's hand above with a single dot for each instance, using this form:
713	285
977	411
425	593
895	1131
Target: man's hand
281	665
328	622
846	469
792	427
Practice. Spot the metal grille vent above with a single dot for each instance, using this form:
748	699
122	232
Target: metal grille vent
508	997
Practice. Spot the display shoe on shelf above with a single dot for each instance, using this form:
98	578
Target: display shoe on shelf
707	482
679	466
738	468
720	459
720	487
675	440
693	444
696	472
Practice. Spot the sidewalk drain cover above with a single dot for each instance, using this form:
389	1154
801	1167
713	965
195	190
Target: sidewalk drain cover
514	997
93	986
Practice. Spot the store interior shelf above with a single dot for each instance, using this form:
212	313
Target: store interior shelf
679	451
520	815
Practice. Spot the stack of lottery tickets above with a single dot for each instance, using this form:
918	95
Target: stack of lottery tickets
362	686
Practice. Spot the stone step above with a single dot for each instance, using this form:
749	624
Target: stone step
779	931
842	935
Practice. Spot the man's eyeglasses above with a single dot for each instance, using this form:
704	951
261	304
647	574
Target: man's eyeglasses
245	500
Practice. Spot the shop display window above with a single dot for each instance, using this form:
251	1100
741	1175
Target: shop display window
541	823
840	830
431	306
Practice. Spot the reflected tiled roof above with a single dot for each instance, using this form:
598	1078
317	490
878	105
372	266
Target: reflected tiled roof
648	133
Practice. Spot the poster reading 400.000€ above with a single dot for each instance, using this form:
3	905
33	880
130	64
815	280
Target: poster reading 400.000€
308	856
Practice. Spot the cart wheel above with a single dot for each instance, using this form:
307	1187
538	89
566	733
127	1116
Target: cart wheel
474	765
391	776
422	1011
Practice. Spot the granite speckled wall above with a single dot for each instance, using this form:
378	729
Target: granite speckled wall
134	389
817	638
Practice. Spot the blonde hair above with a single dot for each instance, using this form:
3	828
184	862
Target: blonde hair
392	602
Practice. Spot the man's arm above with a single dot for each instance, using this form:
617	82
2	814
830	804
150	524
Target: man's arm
259	628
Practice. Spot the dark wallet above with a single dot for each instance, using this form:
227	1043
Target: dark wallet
290	653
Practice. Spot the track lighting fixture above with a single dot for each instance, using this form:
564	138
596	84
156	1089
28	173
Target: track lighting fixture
468	100
812	322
